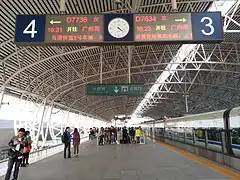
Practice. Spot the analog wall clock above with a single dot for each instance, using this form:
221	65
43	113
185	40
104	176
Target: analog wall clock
118	28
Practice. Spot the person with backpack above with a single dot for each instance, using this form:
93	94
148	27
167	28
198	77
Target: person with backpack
66	139
76	141
15	154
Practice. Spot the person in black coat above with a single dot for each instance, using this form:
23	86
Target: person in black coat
15	153
124	134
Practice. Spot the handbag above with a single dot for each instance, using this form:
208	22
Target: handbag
12	154
27	149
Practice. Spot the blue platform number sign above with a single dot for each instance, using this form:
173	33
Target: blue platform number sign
30	28
207	26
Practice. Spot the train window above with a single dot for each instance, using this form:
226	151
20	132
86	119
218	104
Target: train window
199	137
189	135
235	136
214	134
214	139
199	133
159	131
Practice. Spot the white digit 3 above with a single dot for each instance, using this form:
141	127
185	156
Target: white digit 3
208	24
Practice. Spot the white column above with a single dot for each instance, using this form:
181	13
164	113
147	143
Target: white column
129	63
186	103
62	6
101	64
174	5
41	123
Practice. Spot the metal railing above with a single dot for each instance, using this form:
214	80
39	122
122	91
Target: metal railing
4	150
205	140
38	155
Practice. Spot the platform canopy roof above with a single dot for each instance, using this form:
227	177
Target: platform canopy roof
207	78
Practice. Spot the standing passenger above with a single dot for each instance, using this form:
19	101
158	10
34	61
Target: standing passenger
15	154
27	149
76	141
124	134
67	142
132	135
138	134
101	136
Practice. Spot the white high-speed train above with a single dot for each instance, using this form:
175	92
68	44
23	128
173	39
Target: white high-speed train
218	131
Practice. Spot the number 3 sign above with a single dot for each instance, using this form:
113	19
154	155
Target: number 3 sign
207	26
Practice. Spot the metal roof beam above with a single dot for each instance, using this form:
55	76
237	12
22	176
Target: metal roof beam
197	65
183	52
42	61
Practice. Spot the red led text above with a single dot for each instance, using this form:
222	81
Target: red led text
145	19
76	19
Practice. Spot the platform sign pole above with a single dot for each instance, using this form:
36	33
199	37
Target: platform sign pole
1	98
186	102
101	64
62	6
153	131
174	5
129	63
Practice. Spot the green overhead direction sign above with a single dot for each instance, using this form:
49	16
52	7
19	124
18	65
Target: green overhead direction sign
115	89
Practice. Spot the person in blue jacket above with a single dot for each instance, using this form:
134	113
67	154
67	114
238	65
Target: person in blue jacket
67	142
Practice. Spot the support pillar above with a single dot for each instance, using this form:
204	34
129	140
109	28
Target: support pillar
62	6
1	98
48	126
101	64
153	131
174	5
41	123
186	102
129	63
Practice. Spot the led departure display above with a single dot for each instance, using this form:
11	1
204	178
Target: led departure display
73	28
165	27
197	27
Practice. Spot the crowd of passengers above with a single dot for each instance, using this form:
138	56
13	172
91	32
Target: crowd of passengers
21	144
109	135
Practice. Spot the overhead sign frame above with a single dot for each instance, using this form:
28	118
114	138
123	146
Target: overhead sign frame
203	27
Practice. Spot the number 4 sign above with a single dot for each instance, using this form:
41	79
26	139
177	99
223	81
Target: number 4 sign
30	28
207	26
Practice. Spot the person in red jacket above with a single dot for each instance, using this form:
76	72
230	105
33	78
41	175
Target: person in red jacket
27	149
76	141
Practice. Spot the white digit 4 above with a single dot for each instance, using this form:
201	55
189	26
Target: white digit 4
32	30
208	24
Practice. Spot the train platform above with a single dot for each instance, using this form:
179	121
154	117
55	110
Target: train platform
150	161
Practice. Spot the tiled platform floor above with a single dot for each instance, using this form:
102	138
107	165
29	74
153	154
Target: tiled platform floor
150	161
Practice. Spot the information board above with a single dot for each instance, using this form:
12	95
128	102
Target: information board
70	28
102	29
163	27
174	27
114	89
59	29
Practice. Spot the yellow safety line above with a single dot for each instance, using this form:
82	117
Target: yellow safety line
226	172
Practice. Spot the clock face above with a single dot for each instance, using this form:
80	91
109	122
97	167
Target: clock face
118	28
